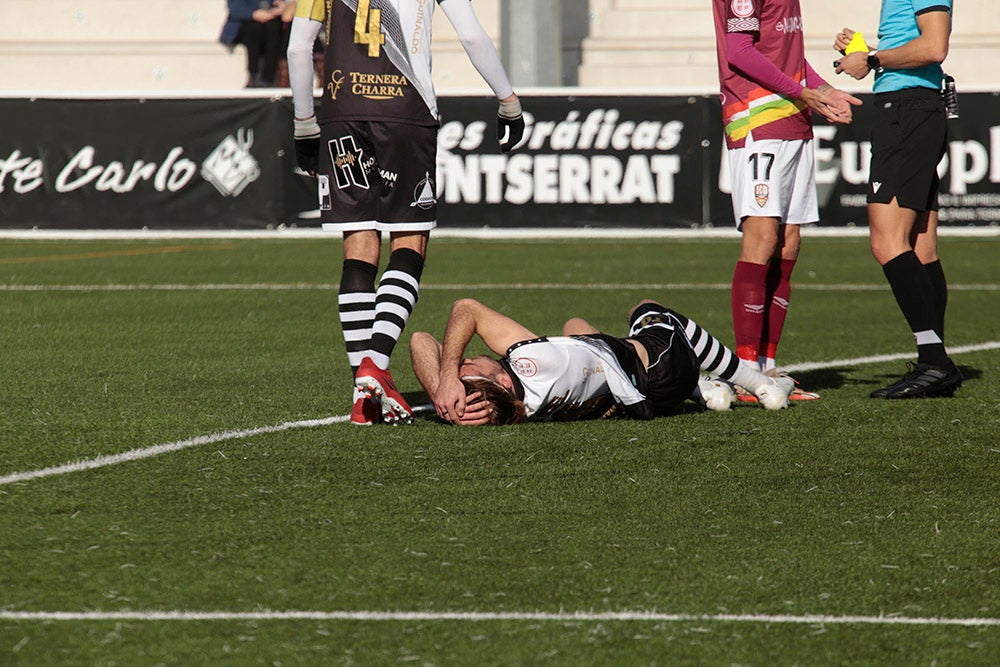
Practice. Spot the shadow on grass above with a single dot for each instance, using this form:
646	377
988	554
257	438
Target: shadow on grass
835	378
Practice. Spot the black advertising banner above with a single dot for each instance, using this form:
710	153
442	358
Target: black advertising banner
625	161
970	170
158	163
586	160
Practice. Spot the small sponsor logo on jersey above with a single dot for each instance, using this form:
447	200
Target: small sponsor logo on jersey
378	86
323	190
350	167
423	194
742	8
760	193
524	366
336	79
789	24
876	185
231	167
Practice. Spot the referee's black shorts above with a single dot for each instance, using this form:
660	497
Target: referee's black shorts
909	137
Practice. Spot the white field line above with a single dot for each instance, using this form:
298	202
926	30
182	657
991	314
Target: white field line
468	287
560	617
879	358
726	231
156	450
166	448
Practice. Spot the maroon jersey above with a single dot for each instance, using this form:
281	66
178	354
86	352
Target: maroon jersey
746	106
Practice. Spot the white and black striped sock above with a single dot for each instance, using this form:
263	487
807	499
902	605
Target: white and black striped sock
395	299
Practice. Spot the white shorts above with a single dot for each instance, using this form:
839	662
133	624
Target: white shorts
774	178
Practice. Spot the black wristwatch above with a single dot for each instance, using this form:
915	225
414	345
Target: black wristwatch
873	62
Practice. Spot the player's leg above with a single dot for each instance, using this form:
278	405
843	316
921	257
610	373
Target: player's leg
924	241
793	184
748	296
407	209
714	358
908	140
577	326
763	176
920	298
348	205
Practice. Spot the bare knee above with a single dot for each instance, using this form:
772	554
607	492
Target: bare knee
576	326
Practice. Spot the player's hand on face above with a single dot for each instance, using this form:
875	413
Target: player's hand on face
477	411
449	399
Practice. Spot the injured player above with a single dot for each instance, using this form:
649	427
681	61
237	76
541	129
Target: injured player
582	374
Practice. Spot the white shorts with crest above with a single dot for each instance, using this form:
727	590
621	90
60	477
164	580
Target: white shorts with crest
774	178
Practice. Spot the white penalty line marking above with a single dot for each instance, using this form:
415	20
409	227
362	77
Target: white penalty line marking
562	617
156	450
166	448
880	358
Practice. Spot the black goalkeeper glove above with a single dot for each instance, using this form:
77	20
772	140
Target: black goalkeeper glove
510	125
307	145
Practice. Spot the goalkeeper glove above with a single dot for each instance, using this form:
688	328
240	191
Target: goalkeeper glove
307	144
510	125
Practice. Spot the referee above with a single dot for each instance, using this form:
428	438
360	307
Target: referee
908	139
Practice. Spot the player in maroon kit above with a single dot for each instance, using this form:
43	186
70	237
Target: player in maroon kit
769	92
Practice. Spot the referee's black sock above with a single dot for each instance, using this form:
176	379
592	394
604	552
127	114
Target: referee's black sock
914	292
936	273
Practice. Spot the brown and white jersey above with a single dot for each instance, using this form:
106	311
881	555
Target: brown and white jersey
377	59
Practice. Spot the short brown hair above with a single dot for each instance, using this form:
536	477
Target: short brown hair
504	407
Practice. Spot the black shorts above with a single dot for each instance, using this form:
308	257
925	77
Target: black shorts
909	137
673	369
377	175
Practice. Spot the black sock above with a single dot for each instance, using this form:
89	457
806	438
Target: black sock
915	295
356	305
936	273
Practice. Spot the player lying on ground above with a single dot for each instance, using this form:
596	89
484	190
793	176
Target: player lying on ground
582	374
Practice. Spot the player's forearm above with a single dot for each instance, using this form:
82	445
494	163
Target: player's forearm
425	356
742	55
300	66
461	327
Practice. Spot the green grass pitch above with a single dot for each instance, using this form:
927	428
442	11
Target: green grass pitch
807	536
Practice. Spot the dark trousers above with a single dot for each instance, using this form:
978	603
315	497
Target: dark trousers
263	43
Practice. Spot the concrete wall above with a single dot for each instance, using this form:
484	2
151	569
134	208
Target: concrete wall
172	44
671	43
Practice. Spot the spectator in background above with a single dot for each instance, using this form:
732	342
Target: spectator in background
257	25
909	137
769	92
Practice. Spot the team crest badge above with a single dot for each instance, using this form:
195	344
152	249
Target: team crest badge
524	366
743	8
761	193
